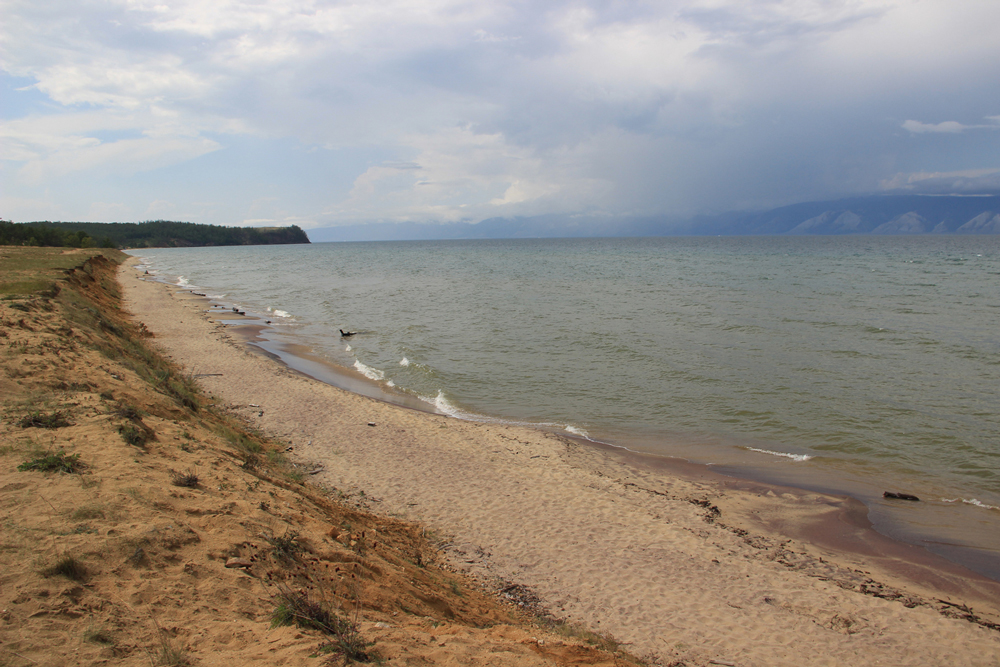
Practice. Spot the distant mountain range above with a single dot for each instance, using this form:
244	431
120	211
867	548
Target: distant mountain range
876	214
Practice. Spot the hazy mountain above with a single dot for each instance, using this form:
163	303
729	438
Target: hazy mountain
906	214
888	214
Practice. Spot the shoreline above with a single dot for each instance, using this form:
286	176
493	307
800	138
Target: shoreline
143	525
591	535
882	519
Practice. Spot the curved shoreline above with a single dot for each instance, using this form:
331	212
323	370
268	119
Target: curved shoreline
301	359
604	540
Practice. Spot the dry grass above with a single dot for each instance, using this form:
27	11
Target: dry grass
67	566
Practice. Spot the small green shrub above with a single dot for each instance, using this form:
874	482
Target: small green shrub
133	435
47	462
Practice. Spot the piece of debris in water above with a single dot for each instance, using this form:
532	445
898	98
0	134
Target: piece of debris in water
899	496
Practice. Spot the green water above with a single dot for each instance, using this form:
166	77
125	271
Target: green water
852	364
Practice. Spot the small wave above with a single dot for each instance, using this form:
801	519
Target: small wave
971	501
369	372
404	362
278	313
216	297
794	457
576	431
182	282
348	348
443	406
390	383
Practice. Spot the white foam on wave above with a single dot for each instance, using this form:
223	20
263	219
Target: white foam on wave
442	404
404	362
347	348
369	372
279	313
569	428
794	457
182	282
971	501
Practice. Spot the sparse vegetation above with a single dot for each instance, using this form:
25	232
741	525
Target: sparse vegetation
243	442
48	462
250	461
87	513
285	546
604	642
186	479
297	608
126	411
41	420
99	635
67	566
133	435
171	656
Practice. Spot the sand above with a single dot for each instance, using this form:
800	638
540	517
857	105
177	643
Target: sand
683	567
180	534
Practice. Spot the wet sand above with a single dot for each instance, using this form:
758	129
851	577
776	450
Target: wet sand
681	564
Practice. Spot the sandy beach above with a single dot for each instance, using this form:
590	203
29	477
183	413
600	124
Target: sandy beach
682	566
142	523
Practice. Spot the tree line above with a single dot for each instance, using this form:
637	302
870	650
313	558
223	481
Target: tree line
149	234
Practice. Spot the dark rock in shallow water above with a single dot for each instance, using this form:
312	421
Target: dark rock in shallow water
899	496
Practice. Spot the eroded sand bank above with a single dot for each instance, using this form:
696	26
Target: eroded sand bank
603	539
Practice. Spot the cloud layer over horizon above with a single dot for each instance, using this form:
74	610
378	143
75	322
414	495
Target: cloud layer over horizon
324	113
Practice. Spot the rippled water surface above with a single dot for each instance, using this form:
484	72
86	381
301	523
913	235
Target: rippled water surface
852	364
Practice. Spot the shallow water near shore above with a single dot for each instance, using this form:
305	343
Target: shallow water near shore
845	364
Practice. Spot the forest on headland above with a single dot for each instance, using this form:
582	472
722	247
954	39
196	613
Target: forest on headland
149	234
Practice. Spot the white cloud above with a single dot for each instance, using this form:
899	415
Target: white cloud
945	181
472	109
948	126
116	157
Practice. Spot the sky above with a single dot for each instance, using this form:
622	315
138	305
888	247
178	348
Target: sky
324	113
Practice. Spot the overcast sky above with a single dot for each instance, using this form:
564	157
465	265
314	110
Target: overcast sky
322	113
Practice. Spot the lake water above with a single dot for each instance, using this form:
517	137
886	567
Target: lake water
847	364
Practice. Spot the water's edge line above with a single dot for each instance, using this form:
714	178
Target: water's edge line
676	465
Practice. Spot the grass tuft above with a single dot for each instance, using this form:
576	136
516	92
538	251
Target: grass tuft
240	440
187	479
126	411
134	436
41	420
69	567
47	462
285	546
297	608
